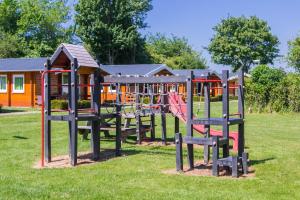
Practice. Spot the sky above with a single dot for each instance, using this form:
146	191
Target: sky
194	19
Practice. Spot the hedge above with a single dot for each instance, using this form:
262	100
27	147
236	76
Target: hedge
63	104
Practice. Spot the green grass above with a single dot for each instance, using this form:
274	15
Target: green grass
271	139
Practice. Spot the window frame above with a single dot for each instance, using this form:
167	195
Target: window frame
13	85
4	91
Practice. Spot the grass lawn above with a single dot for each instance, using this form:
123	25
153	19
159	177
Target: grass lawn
272	140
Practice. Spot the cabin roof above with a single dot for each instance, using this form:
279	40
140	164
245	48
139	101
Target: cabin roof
72	51
136	69
22	64
197	72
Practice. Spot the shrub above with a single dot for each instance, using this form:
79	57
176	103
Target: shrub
259	88
63	104
0	108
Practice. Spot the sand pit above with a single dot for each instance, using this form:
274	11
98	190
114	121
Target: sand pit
84	158
202	169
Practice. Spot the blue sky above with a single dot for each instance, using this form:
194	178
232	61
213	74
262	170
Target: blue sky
194	19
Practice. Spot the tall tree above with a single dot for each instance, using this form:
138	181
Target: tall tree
175	52
294	53
42	25
9	15
110	27
239	41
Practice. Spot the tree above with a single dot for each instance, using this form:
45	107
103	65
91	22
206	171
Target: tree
239	41
175	52
110	27
41	24
294	53
9	15
32	28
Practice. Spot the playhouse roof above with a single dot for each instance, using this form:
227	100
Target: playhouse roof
22	64
67	52
136	69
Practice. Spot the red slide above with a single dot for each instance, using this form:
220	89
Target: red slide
179	109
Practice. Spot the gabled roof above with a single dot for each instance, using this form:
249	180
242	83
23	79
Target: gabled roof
71	51
197	72
22	64
136	69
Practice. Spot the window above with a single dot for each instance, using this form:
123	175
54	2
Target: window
112	88
18	83
3	83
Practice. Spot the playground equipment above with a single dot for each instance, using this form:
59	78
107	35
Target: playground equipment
74	60
172	100
165	94
213	139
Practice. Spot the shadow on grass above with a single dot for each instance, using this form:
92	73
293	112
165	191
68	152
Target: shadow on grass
11	110
15	137
256	162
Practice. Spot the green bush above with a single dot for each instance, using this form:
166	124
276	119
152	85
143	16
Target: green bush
212	99
63	104
59	104
0	108
259	88
286	96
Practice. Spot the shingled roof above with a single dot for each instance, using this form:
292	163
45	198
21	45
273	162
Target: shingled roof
22	64
197	72
71	51
136	69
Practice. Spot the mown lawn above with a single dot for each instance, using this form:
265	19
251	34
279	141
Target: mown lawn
273	141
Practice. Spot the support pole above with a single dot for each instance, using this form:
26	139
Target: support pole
118	120
74	111
163	114
47	110
215	157
189	125
138	114
152	115
207	115
241	129
179	159
225	101
95	104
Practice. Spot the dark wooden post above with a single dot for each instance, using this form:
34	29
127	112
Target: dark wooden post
207	115
47	103
70	108
225	100
74	111
189	125
215	157
241	142
179	159
138	114
152	114
118	120
95	104
163	114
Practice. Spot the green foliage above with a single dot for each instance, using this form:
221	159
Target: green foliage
238	41
59	104
259	88
32	28
294	53
286	96
11	46
9	15
271	89
110	28
63	104
0	108
175	52
41	24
